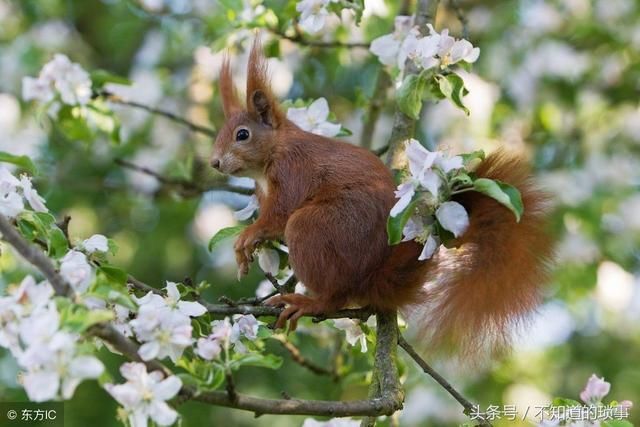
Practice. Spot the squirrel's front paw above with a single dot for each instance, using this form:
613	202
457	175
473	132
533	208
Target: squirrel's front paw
245	247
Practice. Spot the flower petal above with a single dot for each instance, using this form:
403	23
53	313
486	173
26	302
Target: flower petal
430	181
429	248
149	350
162	413
167	388
191	308
41	386
248	211
269	261
453	217
405	192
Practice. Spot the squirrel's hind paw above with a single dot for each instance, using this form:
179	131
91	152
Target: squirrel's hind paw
296	306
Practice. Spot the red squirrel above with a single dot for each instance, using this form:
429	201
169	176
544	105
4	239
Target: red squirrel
330	200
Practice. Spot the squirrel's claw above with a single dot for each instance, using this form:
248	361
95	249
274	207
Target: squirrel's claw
296	306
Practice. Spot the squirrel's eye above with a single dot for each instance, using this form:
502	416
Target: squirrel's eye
242	135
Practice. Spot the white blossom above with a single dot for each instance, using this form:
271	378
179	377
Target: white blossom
452	51
167	337
59	78
53	367
313	14
75	269
453	217
170	305
31	195
208	348
11	203
269	260
144	395
314	118
595	390
164	325
434	50
225	334
248	211
387	47
96	243
20	302
353	332
245	325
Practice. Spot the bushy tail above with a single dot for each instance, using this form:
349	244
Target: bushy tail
478	292
467	301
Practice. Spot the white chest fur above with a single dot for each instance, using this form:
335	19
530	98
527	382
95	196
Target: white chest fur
262	184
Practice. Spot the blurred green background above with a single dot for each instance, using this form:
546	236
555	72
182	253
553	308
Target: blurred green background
558	79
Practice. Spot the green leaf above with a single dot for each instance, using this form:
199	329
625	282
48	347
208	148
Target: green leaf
225	233
344	132
111	292
104	119
114	274
78	318
562	401
205	375
461	180
503	193
23	162
396	224
467	158
270	361
410	95
58	244
101	77
73	125
452	86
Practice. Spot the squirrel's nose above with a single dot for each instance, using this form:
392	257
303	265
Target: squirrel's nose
215	163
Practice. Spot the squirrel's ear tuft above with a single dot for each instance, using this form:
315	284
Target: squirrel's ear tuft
228	93
260	100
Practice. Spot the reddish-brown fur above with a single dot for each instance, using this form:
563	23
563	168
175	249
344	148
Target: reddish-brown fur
330	200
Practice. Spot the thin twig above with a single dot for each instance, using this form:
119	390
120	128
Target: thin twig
258	310
378	98
171	116
376	102
468	406
135	283
230	386
403	125
34	255
297	357
189	188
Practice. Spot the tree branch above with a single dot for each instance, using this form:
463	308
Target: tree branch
468	406
189	188
34	256
169	115
378	98
403	125
259	310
